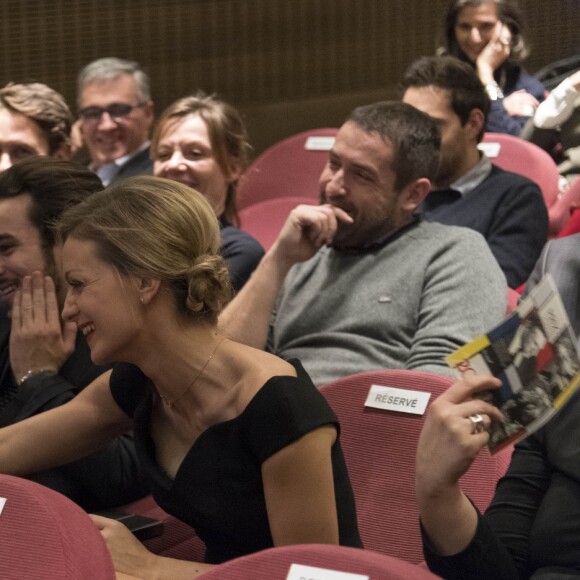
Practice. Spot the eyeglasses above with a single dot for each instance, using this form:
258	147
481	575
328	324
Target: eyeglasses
117	112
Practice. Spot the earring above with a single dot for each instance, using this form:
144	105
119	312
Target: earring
142	300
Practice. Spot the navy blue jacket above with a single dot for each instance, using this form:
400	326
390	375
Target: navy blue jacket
511	78
507	209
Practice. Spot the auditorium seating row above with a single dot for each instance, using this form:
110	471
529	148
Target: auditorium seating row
379	448
287	174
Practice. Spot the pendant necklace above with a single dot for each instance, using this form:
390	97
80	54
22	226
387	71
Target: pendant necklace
172	402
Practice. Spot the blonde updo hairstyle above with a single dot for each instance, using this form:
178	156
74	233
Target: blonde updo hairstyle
155	228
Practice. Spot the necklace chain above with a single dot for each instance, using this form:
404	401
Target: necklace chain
171	402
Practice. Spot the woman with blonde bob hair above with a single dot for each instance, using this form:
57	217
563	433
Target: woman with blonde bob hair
233	441
201	141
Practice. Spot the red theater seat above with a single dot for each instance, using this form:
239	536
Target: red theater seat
265	219
379	448
288	168
45	536
275	563
519	156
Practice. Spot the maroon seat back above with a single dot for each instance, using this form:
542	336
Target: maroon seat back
379	448
44	535
288	168
265	219
177	539
571	198
519	156
275	563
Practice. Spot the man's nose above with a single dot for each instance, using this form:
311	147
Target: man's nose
335	185
106	122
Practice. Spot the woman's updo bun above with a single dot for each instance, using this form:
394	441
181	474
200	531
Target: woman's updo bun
155	228
207	288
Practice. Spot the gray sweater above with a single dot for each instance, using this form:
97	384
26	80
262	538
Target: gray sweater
407	304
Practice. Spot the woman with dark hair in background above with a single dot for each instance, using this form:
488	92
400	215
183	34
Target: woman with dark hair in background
489	35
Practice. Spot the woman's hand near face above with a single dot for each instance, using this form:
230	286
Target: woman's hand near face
494	54
447	447
38	341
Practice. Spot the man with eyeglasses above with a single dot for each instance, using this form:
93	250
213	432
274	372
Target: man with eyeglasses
116	114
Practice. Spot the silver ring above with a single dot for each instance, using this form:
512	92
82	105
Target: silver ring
477	424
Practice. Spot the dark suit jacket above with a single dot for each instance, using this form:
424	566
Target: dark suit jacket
141	164
507	209
105	479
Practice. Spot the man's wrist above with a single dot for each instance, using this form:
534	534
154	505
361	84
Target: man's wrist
279	261
29	374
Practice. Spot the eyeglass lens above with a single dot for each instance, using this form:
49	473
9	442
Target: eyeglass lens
115	111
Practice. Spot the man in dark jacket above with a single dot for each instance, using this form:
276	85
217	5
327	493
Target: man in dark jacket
116	114
506	208
44	363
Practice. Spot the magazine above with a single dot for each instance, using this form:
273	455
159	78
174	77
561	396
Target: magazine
533	353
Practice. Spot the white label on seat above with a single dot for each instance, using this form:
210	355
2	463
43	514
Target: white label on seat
490	149
300	572
401	400
319	143
2	502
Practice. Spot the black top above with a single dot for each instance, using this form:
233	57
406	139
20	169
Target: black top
241	251
105	479
218	488
532	527
507	209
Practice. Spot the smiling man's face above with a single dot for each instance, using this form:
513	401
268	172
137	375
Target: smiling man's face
359	179
21	251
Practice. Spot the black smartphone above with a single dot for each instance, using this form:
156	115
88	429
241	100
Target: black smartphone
142	527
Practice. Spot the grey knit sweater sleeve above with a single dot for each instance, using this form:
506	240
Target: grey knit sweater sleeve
405	305
464	295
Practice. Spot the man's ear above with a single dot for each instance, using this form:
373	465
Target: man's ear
148	289
149	111
475	123
63	152
414	194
